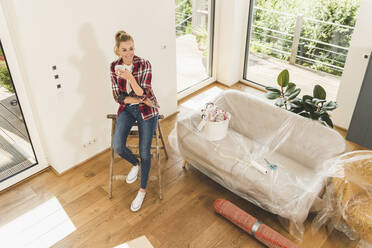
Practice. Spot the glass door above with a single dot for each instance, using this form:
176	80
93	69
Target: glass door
309	38
194	41
16	150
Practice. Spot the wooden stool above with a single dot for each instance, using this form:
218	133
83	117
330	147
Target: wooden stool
158	134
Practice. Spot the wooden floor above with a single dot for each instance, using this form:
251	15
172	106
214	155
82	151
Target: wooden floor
184	218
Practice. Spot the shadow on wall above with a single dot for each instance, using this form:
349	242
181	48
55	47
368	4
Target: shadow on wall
94	88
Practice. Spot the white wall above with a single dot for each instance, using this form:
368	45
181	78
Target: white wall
231	39
77	36
355	67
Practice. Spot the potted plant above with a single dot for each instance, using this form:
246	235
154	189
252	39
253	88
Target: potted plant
315	107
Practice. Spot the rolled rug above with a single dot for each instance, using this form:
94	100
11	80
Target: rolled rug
251	225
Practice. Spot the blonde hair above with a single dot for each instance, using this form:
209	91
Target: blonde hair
121	36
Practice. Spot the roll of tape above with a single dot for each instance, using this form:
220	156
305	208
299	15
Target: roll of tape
255	227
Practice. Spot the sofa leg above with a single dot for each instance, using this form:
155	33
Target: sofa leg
293	230
184	164
290	226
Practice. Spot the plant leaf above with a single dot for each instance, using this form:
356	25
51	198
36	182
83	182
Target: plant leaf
279	102
290	88
314	115
309	106
309	102
316	101
296	105
294	94
297	101
268	88
326	119
330	105
319	92
305	114
283	78
306	97
322	112
297	110
272	95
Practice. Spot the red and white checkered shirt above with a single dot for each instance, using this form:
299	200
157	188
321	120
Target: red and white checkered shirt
142	73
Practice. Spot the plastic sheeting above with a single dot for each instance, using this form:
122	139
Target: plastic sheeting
348	198
292	149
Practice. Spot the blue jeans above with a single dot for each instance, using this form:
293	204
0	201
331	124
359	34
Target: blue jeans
146	128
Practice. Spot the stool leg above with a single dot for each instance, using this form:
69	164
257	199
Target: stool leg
162	140
112	158
111	172
158	162
184	164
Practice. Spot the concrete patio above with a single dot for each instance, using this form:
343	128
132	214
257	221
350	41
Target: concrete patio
190	67
264	70
16	151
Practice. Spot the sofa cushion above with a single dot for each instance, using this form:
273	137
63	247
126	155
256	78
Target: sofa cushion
288	190
306	141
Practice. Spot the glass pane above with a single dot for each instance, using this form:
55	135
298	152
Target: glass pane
309	38
16	151
193	41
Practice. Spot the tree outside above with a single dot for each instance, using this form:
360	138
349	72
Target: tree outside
183	17
5	80
325	33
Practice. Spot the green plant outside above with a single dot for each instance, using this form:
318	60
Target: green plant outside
334	11
182	12
5	80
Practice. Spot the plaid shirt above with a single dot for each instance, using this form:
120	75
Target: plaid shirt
142	73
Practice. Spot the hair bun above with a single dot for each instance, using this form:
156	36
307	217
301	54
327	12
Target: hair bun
121	36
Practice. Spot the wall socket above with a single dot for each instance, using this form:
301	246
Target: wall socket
90	142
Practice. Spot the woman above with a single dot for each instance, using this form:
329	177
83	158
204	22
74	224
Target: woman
131	88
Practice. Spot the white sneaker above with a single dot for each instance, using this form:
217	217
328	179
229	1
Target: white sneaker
137	202
133	173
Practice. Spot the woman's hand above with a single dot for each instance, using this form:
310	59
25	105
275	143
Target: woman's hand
125	74
148	102
131	99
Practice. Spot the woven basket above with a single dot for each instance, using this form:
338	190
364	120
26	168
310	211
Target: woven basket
354	192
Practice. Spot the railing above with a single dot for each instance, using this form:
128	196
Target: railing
198	18
293	45
182	19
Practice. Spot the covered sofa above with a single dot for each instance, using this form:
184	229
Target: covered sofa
296	151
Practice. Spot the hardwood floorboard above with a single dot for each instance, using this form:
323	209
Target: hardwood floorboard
184	218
